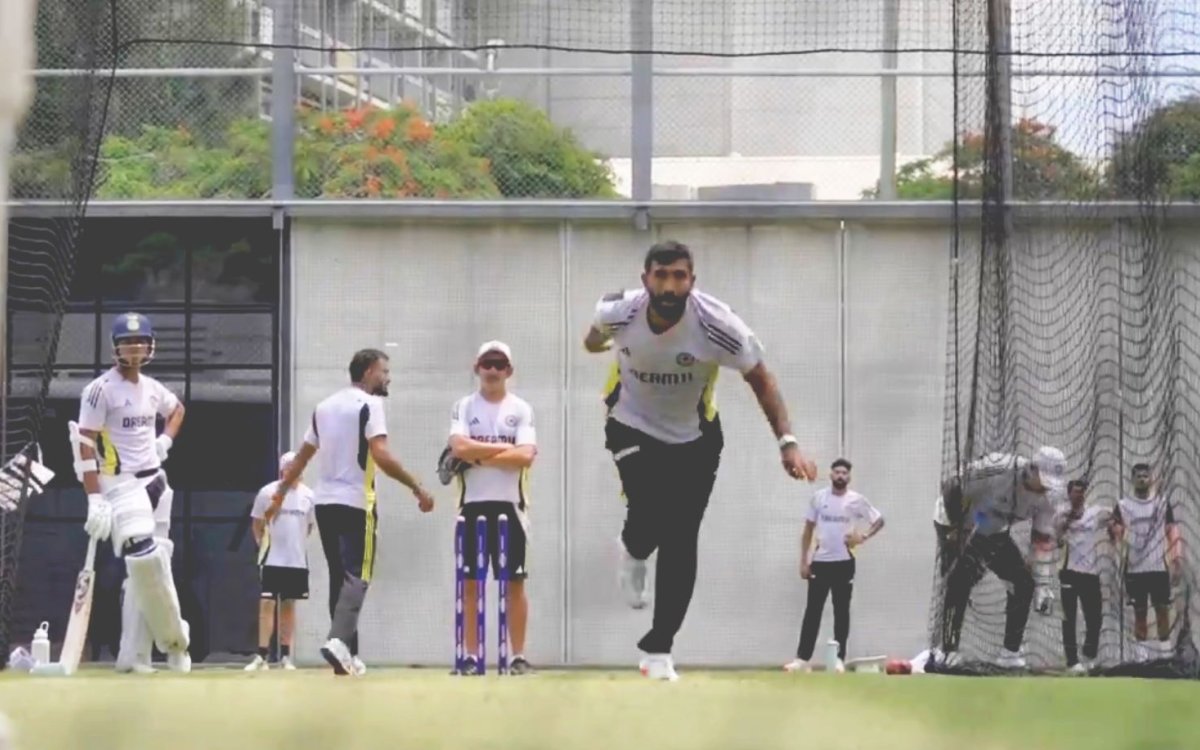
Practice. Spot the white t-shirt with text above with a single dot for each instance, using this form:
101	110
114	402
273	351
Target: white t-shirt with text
340	428
284	537
508	421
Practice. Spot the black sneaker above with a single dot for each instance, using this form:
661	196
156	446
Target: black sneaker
520	666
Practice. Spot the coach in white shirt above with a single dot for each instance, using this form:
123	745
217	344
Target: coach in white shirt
491	430
840	519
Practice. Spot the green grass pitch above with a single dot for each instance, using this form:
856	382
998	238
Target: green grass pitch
427	709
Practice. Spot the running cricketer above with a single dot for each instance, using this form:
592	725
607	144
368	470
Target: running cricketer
664	432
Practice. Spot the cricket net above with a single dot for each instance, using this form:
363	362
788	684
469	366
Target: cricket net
1085	338
40	244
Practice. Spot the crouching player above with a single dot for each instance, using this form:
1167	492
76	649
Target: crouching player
118	458
995	492
284	562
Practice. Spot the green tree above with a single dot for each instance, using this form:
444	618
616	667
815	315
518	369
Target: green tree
1157	158
360	153
1042	169
530	156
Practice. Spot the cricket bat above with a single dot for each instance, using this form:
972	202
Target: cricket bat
81	613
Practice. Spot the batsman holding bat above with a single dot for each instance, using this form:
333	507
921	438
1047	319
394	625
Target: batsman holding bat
118	458
993	493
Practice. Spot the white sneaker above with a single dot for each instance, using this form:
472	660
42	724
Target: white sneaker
1078	669
633	577
358	667
179	661
286	663
839	667
798	665
658	667
1010	660
258	664
338	656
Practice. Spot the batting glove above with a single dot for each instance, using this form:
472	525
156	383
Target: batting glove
162	446
99	518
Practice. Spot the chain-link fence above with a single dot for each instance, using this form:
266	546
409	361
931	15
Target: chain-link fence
789	99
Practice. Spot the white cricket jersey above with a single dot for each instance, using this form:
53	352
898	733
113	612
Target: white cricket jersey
1084	537
834	517
995	497
284	537
664	384
123	413
1145	523
340	428
508	421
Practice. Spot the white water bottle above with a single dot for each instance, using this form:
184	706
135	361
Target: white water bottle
40	648
831	654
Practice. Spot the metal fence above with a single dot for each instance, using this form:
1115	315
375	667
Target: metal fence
462	99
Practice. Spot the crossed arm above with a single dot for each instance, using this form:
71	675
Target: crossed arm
492	454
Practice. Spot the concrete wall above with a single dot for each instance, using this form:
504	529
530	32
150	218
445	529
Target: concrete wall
853	319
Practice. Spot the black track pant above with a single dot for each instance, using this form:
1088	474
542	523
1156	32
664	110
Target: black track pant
999	554
1083	588
348	539
667	486
827	577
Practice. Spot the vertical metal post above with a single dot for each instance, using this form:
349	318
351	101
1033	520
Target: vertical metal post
887	101
283	100
642	93
1000	79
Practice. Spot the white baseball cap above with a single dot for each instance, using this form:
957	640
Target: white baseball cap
286	459
494	346
1052	468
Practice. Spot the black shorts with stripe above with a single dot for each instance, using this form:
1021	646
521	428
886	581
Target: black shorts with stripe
1155	586
491	510
283	583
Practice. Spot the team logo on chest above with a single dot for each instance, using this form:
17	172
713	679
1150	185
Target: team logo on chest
685	359
511	420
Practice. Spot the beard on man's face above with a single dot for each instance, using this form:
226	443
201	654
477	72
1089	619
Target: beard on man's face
668	304
840	484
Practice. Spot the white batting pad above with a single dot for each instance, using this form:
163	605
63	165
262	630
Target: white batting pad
150	578
133	518
19	472
136	639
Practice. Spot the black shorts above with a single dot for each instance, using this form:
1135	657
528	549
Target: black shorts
284	583
1155	586
492	510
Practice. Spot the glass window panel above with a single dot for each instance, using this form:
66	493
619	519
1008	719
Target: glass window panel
232	338
233	262
169	337
140	261
227	442
31	332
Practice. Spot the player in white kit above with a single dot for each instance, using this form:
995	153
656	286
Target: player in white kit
348	435
841	520
664	432
283	564
1145	523
492	433
1082	534
995	492
118	458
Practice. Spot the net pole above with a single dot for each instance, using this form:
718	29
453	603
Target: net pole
887	104
16	93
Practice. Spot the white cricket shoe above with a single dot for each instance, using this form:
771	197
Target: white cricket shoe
358	667
1078	669
286	663
1010	660
839	667
798	665
633	577
258	664
658	667
338	656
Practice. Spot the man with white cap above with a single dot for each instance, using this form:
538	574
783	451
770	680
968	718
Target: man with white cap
981	504
283	563
492	435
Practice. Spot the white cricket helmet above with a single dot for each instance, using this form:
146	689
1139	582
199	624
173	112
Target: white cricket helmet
1051	466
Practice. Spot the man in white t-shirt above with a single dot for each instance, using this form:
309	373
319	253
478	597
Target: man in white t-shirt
840	519
1145	523
118	459
1082	530
492	432
348	435
663	430
283	564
